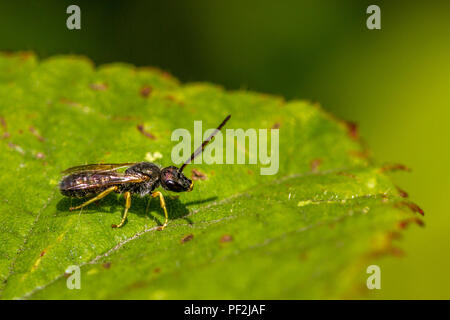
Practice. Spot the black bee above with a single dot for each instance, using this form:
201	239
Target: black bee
140	178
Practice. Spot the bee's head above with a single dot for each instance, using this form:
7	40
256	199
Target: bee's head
174	180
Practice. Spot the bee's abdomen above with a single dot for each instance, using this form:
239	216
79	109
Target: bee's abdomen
80	185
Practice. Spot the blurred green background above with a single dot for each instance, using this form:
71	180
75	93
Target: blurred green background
393	82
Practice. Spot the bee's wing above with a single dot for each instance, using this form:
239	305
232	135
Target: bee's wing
102	179
98	167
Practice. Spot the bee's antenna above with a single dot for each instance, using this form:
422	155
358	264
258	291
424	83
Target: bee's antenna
204	144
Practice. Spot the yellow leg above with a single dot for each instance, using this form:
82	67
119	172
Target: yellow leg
100	196
127	196
163	206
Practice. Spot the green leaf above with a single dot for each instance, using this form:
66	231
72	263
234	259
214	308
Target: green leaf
307	232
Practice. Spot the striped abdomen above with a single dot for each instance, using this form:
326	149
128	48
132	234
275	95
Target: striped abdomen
84	184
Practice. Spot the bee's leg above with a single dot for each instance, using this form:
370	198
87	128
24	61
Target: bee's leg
98	197
163	206
127	196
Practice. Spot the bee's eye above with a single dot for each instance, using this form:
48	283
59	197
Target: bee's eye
170	183
174	186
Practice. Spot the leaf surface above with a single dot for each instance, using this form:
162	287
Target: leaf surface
306	232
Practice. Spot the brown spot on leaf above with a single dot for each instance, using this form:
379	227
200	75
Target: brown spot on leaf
352	130
384	198
411	205
394	235
3	123
145	91
174	99
197	175
402	193
405	223
394	167
226	238
166	75
157	270
43	253
69	102
26	55
141	129
315	163
106	265
389	250
36	134
5	128
250	172
277	125
99	86
303	256
395	251
347	174
138	285
187	238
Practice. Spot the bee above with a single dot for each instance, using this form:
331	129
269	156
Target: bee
141	178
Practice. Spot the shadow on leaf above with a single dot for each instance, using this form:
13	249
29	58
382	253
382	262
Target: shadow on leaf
140	206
